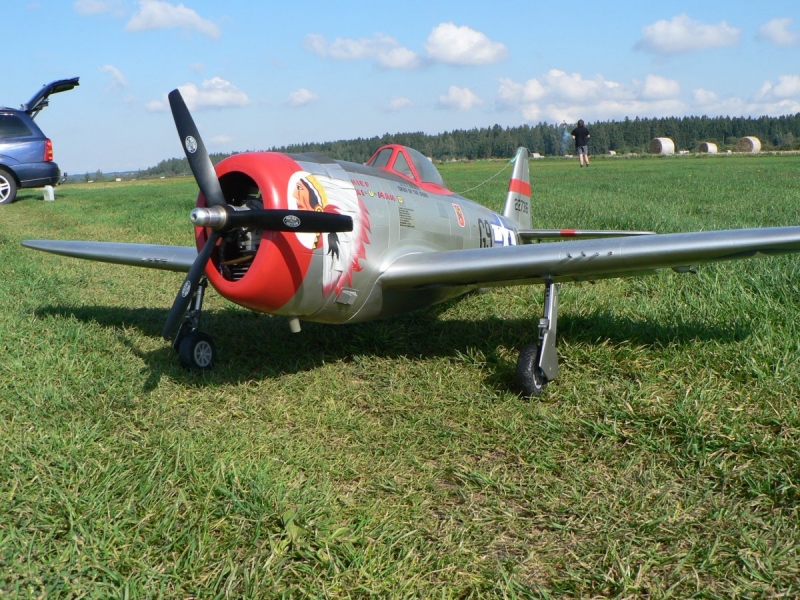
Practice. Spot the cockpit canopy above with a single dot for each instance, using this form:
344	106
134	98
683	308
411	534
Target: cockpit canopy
409	164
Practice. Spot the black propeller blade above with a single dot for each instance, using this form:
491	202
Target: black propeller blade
195	149
300	221
206	177
189	286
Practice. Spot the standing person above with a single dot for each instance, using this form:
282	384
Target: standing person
581	136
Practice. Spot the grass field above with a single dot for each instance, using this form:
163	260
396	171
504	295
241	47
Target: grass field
393	459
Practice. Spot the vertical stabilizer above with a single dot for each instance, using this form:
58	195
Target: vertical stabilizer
518	199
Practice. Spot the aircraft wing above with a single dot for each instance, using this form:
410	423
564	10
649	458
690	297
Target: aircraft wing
584	260
168	258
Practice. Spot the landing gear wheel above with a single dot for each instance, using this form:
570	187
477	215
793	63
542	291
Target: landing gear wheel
530	379
196	351
8	187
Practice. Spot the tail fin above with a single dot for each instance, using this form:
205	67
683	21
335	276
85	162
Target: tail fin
518	199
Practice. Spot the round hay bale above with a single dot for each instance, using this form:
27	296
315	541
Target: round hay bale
708	147
662	146
748	143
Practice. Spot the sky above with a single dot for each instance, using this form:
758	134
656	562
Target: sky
257	75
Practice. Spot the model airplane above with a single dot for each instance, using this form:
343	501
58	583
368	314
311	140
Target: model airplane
316	239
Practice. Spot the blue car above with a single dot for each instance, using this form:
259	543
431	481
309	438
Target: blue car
26	154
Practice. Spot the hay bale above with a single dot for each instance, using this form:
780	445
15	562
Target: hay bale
708	147
662	146
612	153
748	143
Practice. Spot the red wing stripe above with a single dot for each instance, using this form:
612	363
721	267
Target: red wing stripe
519	187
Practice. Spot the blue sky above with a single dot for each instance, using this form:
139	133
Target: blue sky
263	74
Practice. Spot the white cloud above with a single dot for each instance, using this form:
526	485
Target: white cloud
459	99
156	14
684	34
118	80
773	98
449	43
301	97
660	88
782	107
384	50
398	103
512	93
703	97
340	48
777	32
397	57
787	88
559	96
94	7
212	93
157	105
558	87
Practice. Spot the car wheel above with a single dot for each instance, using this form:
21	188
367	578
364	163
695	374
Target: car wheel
8	187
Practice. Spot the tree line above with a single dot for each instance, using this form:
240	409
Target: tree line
629	135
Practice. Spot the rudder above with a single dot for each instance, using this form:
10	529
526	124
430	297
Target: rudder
518	199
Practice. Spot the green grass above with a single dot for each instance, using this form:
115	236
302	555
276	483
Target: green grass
393	459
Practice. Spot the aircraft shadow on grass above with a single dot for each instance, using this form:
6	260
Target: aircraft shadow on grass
261	346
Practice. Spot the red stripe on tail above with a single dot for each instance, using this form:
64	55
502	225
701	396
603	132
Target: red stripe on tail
519	187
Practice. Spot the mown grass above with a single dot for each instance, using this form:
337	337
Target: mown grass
393	459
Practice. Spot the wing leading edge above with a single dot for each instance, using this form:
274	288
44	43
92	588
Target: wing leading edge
167	258
585	260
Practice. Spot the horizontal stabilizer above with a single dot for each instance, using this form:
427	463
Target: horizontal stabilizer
535	235
167	258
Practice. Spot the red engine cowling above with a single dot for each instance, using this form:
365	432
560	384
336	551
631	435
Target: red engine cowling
269	279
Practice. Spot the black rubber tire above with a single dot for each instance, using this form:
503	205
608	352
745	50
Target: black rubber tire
8	187
530	379
197	351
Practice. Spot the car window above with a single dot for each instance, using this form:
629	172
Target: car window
12	126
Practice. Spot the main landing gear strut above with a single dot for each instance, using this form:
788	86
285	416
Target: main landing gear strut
195	348
538	363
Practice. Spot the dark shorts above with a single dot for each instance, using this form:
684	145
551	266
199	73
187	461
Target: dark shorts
582	149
